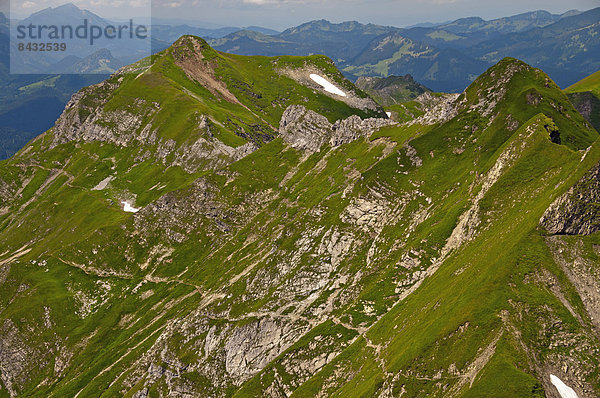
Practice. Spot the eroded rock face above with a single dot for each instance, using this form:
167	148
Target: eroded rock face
251	347
178	217
577	211
353	128
85	119
304	129
6	192
439	109
15	357
307	130
588	105
581	271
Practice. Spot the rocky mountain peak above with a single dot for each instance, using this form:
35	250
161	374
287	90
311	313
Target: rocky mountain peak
190	46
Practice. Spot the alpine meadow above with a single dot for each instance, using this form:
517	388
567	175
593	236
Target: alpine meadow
276	215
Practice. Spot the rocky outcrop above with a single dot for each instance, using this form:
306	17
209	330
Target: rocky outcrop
85	119
353	128
304	129
588	105
15	358
576	212
438	108
6	193
79	120
392	89
176	217
307	130
251	347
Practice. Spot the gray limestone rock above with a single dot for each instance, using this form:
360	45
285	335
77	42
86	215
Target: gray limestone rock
577	211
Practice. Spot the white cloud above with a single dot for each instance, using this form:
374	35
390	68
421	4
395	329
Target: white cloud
27	5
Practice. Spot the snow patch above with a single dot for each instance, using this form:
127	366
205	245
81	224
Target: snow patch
127	207
327	86
389	114
564	390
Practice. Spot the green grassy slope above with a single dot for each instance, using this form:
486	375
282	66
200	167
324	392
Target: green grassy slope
585	96
49	203
590	83
409	261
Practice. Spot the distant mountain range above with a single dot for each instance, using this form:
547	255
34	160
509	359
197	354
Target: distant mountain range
445	57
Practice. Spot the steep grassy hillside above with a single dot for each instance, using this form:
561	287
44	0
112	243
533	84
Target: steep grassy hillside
590	83
333	256
585	96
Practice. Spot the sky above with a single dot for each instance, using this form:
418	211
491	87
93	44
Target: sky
281	14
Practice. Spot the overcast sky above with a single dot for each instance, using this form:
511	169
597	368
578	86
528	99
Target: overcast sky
280	14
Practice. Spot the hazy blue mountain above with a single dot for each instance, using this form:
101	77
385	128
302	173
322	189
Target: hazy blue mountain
169	33
64	15
446	70
516	23
426	25
446	57
190	22
30	104
568	50
341	42
260	29
125	50
247	42
102	61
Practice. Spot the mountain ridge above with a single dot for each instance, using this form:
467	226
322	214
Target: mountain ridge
404	260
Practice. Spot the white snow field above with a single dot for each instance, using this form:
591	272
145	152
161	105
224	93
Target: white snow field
564	390
327	86
127	207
